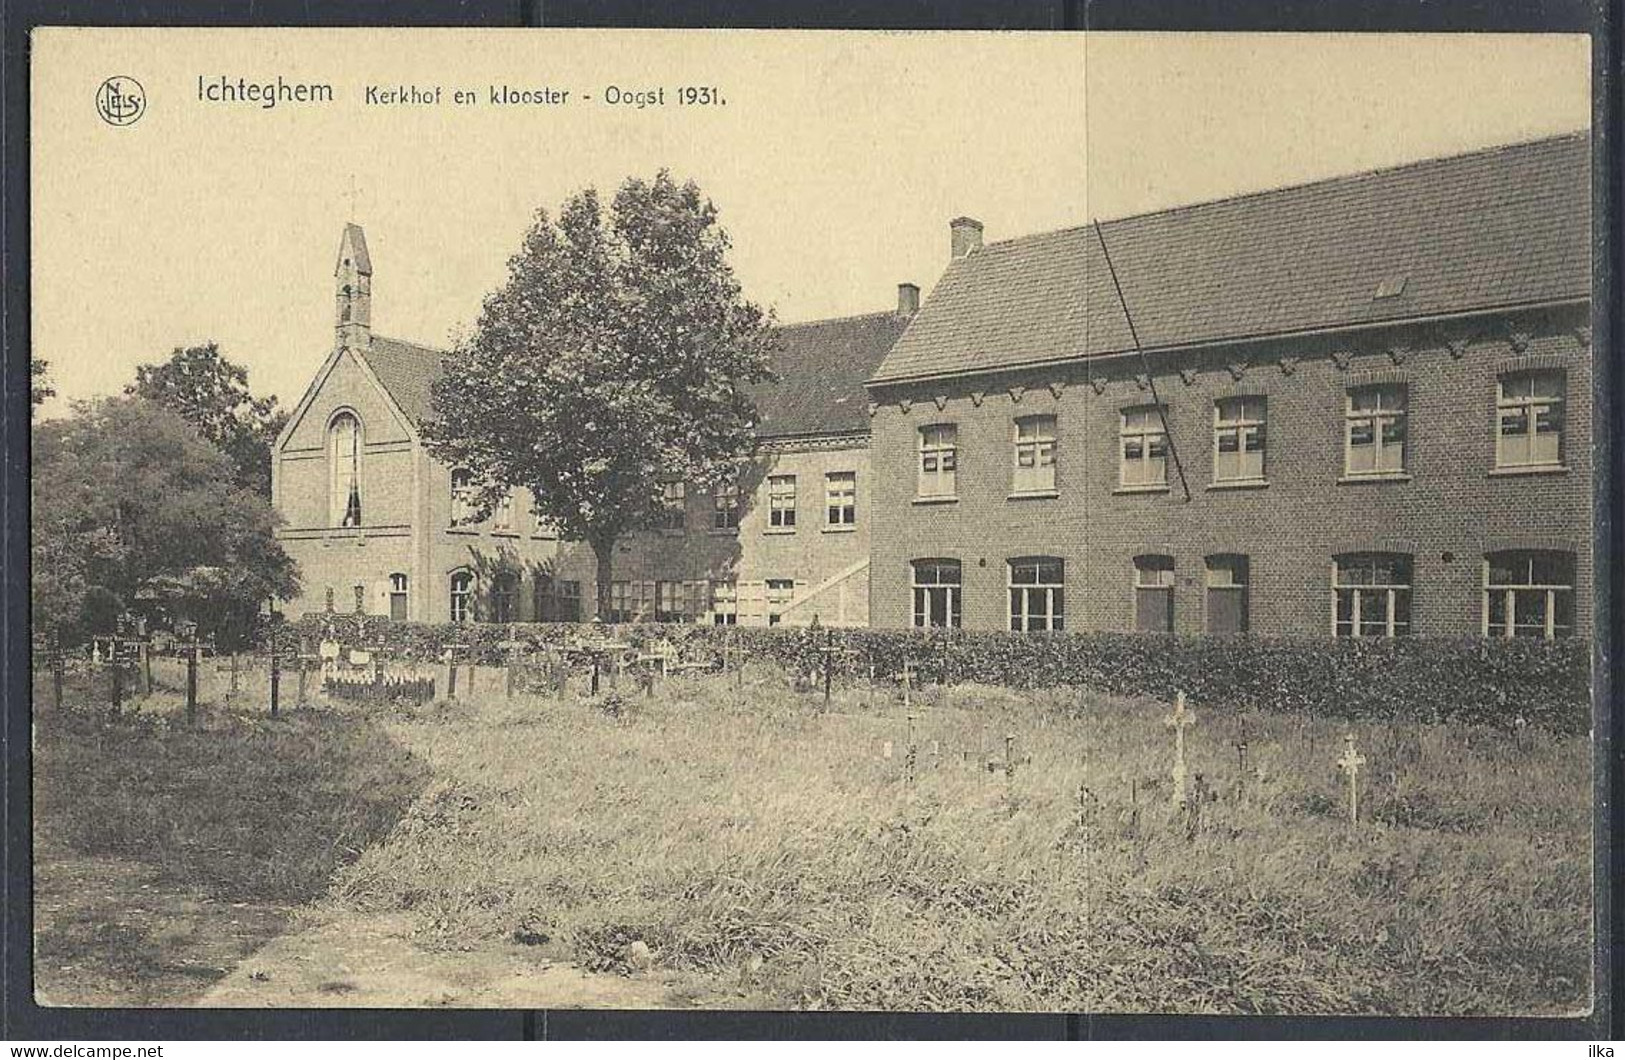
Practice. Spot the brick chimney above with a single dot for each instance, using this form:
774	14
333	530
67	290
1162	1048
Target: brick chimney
353	290
908	299
965	235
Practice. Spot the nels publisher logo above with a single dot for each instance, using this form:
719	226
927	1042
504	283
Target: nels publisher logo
121	101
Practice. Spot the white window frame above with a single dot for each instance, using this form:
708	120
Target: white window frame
781	502
1141	427
1385	596
502	518
724	602
399	588
1529	407
778	594
1550	592
464	508
1033	466
1046	585
462	599
925	592
674	506
938	464
1242	421
1392	410
841	498
725	510
344	507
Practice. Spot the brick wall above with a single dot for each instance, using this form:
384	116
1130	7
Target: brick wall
1447	515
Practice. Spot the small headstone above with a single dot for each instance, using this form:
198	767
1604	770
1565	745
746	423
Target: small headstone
885	750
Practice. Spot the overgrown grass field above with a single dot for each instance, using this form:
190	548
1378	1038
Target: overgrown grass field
770	853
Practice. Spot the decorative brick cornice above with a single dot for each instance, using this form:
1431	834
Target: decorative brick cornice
941	401
904	404
1057	388
1237	369
1016	391
976	397
1397	352
1517	337
1288	365
1099	383
1342	358
1188	374
1142	381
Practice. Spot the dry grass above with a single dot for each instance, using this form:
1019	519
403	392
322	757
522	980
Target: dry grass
769	852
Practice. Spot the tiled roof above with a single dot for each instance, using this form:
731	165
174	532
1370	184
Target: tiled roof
819	371
1492	229
406	370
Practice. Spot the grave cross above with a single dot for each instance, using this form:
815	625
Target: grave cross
1350	763
1179	720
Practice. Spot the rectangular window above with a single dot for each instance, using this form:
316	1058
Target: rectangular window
503	517
1372	595
1035	455
464	506
673	506
841	498
1238	439
780	591
397	597
1154	594
1529	594
725	603
1037	594
1143	447
462	596
936	593
557	600
939	460
622	601
1227	603
505	597
1375	429
781	502
672	600
1529	420
725	516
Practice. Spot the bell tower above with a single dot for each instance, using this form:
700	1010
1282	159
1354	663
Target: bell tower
353	290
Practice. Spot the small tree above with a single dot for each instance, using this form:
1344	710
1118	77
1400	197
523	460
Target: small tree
39	385
132	511
211	393
614	359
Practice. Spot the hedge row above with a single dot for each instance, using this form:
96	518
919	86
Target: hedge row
1473	680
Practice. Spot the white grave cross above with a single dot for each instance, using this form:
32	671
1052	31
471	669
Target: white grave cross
1179	720
1350	763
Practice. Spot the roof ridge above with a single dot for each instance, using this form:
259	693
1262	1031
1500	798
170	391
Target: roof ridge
1336	178
838	320
408	342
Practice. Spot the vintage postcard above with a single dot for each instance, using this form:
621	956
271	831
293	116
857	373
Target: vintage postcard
1016	522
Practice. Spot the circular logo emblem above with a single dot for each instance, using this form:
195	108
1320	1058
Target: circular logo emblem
121	101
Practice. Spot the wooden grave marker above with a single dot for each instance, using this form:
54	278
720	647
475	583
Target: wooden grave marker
1179	720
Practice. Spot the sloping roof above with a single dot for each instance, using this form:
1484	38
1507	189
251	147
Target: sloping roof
356	240
407	370
1492	229
819	370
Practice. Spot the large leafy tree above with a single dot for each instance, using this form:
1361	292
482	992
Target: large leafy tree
133	511
615	357
212	394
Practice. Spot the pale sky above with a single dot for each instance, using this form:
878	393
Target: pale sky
836	163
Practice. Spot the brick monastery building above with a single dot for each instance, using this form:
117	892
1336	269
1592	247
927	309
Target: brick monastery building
376	524
1364	407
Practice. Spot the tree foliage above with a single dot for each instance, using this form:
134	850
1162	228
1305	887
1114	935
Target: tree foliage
133	511
39	385
614	358
212	394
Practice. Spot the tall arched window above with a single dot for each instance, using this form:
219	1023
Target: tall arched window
462	596
344	470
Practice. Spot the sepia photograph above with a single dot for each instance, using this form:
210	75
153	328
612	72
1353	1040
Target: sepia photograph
1066	522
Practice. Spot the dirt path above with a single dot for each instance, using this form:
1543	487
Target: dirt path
114	932
347	959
